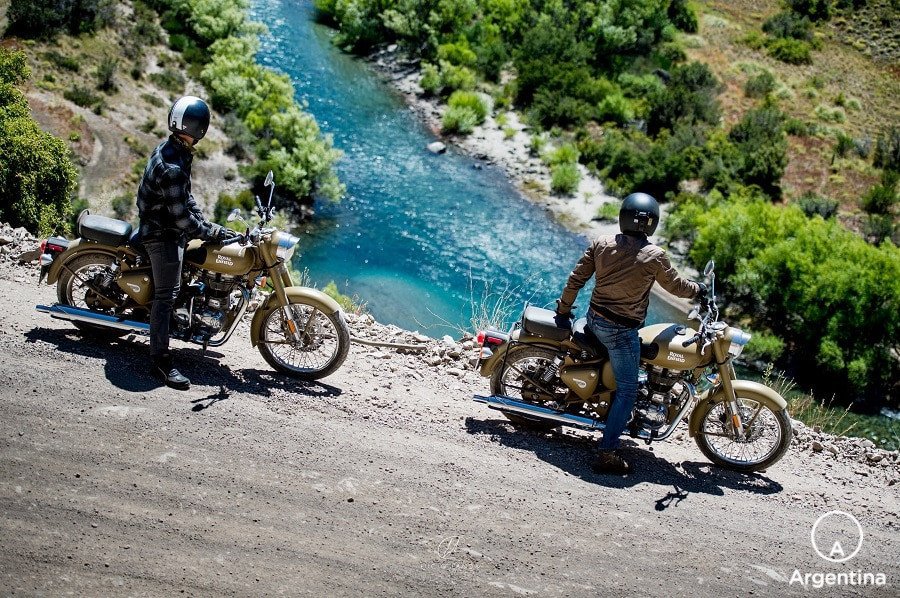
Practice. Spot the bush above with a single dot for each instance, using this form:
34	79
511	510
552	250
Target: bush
459	53
764	346
564	154
789	25
615	108
683	16
46	18
106	74
816	205
564	178
830	115
170	79
882	198
887	149
243	201
81	96
470	100
37	177
69	63
816	10
760	85
795	126
431	79
456	77
459	119
791	51
760	141
843	144
122	206
609	212
689	98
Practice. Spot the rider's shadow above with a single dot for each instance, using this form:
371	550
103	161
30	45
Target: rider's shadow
127	366
573	454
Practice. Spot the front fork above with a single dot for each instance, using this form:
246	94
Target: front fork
281	279
726	375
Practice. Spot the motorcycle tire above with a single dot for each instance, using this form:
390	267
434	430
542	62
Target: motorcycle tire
296	360
715	419
540	358
84	265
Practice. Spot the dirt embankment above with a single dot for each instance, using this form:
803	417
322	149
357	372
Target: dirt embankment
383	479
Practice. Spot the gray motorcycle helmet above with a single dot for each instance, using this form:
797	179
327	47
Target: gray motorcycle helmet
639	214
189	116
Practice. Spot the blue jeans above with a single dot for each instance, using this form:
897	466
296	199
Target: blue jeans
624	346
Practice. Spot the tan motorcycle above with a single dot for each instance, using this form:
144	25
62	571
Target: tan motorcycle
104	284
548	372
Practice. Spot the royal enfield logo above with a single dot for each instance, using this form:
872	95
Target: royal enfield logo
837	537
673	356
133	287
580	383
224	259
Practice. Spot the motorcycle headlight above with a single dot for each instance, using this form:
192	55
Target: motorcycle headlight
286	244
739	340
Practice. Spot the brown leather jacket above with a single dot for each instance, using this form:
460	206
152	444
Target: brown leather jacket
625	268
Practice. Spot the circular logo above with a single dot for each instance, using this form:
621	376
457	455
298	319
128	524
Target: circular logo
447	546
836	536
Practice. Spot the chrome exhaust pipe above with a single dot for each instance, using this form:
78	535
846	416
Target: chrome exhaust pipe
509	405
78	314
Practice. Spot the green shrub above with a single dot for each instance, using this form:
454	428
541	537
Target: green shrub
122	206
170	79
843	144
689	98
791	51
760	85
456	77
459	119
813	204
882	198
789	25
887	149
46	18
830	115
564	154
615	108
762	147
795	126
459	53
37	177
683	16
153	100
764	346
564	178
69	63
609	212
470	100
106	74
81	96
431	79
243	201
816	10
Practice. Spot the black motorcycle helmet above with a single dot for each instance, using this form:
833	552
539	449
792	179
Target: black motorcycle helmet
639	214
189	116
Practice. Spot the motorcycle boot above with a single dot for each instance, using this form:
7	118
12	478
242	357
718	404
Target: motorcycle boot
164	370
610	462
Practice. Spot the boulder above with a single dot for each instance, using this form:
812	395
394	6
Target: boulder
437	147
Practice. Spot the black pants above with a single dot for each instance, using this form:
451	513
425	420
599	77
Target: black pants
165	257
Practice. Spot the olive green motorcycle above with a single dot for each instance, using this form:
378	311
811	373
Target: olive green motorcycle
104	285
548	372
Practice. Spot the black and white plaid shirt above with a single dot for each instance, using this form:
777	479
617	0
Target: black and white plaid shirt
165	204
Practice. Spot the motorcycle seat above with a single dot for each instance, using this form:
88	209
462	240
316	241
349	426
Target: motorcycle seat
101	229
585	337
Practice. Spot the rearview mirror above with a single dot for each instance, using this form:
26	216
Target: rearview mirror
269	179
233	215
710	265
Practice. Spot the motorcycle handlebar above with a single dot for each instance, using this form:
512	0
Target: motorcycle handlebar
232	240
691	341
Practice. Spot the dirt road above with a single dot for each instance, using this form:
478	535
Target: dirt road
384	479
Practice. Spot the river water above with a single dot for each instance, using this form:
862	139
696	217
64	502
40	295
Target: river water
418	236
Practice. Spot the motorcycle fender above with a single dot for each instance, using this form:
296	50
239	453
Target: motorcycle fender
494	361
75	249
743	388
313	297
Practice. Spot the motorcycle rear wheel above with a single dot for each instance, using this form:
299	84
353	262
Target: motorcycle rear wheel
510	381
322	348
766	438
72	290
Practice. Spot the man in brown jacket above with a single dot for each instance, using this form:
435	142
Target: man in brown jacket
625	267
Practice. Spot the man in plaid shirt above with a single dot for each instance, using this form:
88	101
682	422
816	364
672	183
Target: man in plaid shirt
169	218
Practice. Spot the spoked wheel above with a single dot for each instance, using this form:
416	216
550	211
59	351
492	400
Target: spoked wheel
74	288
318	348
767	435
521	379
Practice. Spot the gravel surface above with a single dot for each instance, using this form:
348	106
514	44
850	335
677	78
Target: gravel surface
383	479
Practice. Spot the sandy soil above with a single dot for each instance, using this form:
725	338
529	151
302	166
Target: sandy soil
384	479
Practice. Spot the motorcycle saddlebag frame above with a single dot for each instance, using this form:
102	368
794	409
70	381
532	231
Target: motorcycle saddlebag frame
101	229
544	323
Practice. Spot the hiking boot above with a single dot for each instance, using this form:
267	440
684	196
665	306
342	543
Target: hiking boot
610	462
165	371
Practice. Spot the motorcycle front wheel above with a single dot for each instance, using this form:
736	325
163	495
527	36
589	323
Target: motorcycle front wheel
520	378
73	289
767	435
321	348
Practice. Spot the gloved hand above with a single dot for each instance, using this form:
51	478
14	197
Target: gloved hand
217	232
703	294
562	310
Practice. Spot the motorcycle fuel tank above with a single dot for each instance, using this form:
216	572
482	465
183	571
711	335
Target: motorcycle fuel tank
668	339
233	259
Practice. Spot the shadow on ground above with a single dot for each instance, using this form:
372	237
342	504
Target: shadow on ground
127	367
573	454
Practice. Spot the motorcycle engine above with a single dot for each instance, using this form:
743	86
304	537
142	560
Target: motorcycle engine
658	389
211	301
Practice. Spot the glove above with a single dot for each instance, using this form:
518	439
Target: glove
703	294
563	311
217	232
